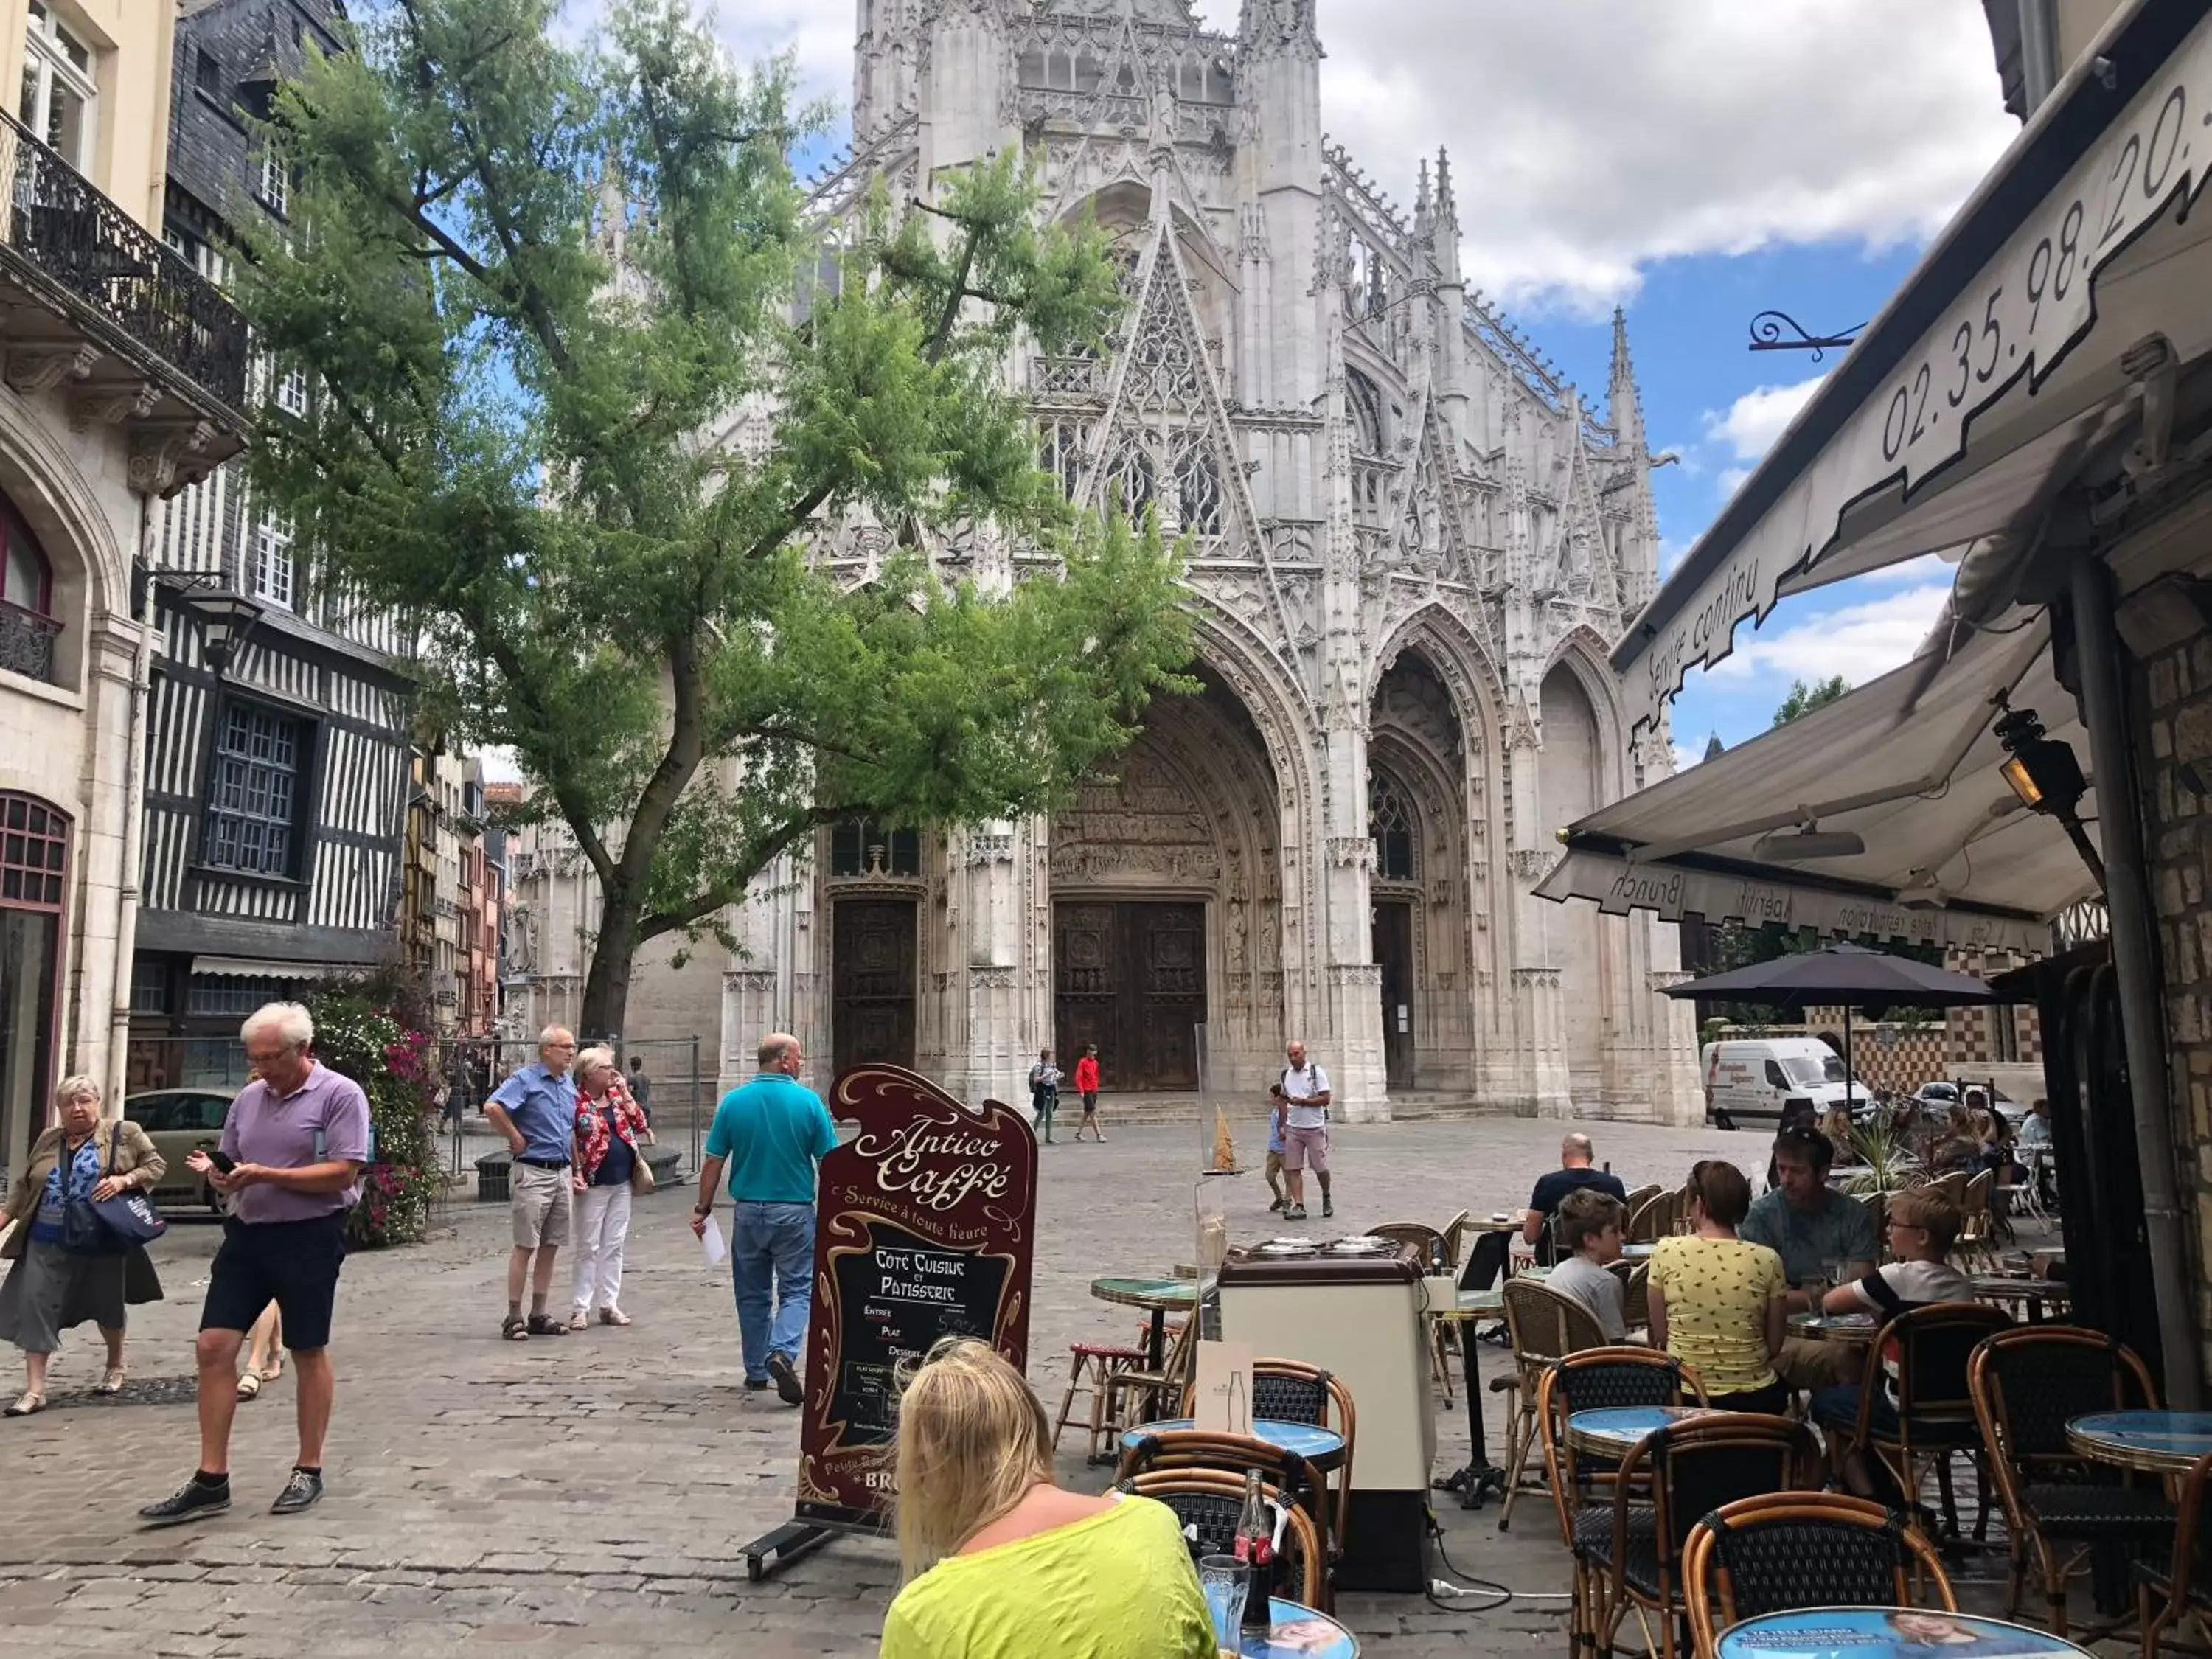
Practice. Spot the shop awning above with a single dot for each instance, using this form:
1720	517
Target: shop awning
1908	764
2016	345
258	968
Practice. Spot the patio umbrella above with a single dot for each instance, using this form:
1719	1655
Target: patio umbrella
1846	974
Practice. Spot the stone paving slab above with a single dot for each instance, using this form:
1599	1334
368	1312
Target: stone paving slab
593	1493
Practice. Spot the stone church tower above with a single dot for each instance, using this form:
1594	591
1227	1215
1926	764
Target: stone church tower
1413	544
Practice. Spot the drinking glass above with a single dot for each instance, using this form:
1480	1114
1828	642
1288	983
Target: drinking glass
1225	1582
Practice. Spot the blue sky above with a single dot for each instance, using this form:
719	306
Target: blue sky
1694	161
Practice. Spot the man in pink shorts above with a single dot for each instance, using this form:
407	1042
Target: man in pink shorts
1305	1132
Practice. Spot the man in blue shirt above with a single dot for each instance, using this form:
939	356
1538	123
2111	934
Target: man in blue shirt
773	1132
536	1110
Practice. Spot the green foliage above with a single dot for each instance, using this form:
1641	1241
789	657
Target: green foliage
1885	1161
1803	699
363	1039
586	382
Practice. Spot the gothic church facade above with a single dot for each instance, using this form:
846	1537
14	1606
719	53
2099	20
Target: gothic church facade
1413	543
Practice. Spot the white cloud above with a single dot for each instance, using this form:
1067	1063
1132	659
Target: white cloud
1750	425
1687	755
1592	138
1860	640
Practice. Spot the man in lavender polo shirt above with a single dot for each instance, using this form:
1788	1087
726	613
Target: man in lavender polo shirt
292	1152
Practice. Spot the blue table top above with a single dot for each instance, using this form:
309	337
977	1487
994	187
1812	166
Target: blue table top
1314	1443
1300	1634
1888	1633
1624	1425
2187	1433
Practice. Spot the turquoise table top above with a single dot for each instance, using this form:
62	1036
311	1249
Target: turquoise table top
1888	1633
2167	1441
1614	1429
1147	1293
1299	1632
1318	1446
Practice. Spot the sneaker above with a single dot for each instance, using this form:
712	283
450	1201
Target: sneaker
188	1503
1296	1212
1328	1206
788	1387
756	1384
1275	1208
302	1492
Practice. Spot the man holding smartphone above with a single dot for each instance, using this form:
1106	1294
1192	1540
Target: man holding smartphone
290	1161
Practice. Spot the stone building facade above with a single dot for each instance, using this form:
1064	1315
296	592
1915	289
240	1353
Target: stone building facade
1413	543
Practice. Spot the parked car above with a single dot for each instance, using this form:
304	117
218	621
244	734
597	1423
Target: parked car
1753	1079
1938	1098
178	1121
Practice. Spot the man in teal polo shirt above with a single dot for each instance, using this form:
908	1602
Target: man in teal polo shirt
772	1133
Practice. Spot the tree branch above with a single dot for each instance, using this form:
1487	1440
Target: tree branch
755	859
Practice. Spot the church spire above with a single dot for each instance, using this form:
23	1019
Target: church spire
1421	218
1443	234
1270	27
1624	404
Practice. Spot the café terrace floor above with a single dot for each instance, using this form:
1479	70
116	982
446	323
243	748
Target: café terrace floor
593	1493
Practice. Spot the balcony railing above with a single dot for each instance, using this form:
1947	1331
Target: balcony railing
70	233
27	642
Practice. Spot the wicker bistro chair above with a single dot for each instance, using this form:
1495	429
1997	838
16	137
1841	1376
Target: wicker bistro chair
1593	1380
2027	1381
1632	1554
1091	1367
1975	1248
1785	1550
1650	1217
1291	1391
1210	1500
1455	1233
1135	1396
1635	1296
1234	1455
2182	1588
1545	1326
1935	1419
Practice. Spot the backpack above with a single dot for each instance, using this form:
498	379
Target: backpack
1282	1083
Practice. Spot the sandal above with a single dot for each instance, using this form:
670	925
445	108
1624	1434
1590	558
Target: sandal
249	1386
111	1380
580	1321
513	1329
613	1316
29	1406
546	1325
273	1370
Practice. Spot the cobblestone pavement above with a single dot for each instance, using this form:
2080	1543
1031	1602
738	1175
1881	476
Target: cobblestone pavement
594	1492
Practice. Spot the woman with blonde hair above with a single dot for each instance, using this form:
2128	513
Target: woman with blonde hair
609	1128
1001	1564
50	1289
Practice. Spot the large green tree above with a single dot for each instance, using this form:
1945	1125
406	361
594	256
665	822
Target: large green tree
589	387
1805	697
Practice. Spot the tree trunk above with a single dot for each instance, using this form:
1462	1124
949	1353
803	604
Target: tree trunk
606	986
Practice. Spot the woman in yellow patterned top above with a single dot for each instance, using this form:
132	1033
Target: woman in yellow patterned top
999	1563
1717	1301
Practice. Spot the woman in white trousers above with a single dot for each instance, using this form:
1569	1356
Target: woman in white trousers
611	1129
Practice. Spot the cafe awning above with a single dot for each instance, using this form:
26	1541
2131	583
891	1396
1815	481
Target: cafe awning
1907	764
2023	339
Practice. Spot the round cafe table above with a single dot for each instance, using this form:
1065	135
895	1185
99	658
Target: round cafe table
1322	1448
2159	1443
2034	1294
1886	1634
1835	1327
1613	1431
1161	1296
1479	1476
1299	1632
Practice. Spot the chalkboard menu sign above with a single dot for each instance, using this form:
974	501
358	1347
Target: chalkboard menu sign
925	1229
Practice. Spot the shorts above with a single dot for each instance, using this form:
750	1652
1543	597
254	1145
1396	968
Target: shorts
1090	1102
539	1206
1306	1148
294	1264
1274	1162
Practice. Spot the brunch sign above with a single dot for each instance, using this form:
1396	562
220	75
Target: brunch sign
925	1229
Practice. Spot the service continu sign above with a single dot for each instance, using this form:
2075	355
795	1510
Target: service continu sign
927	1221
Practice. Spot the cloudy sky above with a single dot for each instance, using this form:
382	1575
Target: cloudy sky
1695	161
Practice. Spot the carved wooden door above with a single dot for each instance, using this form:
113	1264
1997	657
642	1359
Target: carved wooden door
872	982
1131	979
1394	954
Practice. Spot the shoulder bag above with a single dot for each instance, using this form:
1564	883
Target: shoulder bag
109	1226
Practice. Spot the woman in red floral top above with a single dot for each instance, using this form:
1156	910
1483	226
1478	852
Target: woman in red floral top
611	1127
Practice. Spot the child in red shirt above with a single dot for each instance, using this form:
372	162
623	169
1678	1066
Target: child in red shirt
1086	1085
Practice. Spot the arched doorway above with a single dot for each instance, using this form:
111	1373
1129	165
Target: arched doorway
1570	775
1416	762
1167	902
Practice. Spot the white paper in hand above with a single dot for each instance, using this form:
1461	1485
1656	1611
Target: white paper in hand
711	1241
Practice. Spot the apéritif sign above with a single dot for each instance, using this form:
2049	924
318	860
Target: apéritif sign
926	1229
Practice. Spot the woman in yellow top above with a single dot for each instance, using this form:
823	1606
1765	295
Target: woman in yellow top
1717	1301
999	1563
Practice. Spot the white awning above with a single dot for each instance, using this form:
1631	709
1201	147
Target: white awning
1908	764
1996	366
258	968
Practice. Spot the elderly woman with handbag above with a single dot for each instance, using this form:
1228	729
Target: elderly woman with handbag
70	1264
610	1127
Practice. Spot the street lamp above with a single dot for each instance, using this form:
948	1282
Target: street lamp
2043	773
225	620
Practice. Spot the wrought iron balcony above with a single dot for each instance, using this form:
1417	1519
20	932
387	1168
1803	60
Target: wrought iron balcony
27	642
133	334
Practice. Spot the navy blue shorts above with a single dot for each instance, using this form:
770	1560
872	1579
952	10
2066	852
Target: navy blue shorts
294	1264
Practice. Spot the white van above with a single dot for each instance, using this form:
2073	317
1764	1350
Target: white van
1749	1080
